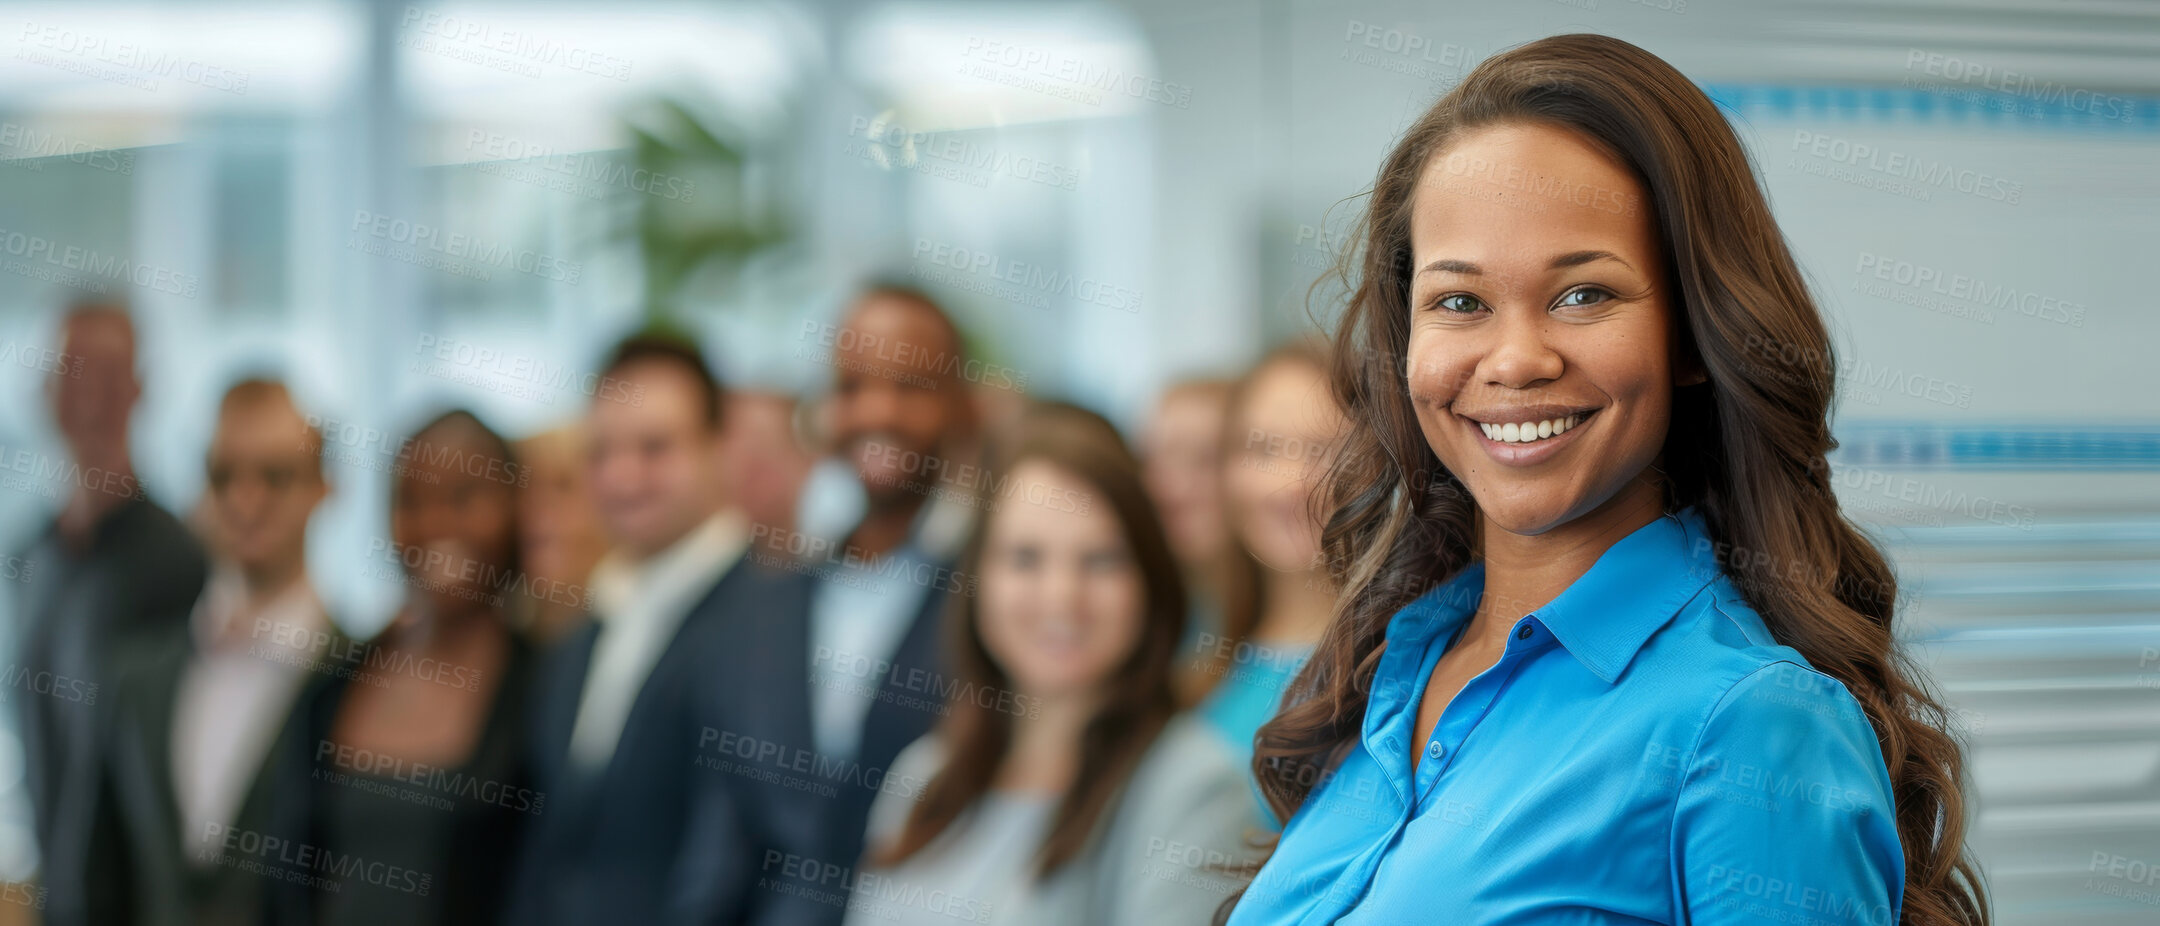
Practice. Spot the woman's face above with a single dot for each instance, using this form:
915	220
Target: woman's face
452	517
1061	595
1541	339
1285	430
1184	471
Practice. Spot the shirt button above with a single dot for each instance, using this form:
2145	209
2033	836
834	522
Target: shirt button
1433	750
1523	633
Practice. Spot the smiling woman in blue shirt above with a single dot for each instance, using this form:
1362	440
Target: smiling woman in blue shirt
1606	651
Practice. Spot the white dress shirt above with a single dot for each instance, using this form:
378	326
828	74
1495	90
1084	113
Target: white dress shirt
860	613
639	605
235	693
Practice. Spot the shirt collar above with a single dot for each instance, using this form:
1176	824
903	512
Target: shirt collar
1633	589
686	567
1604	617
220	619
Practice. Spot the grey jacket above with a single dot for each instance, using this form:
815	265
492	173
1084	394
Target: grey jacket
1160	857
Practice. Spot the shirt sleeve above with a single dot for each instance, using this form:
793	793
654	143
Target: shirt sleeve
1785	812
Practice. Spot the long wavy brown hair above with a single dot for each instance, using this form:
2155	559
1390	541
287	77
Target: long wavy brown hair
1138	697
1747	449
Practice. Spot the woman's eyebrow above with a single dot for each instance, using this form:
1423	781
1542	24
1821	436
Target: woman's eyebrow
1570	259
1579	258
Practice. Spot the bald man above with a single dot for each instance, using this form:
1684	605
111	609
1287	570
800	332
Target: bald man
114	568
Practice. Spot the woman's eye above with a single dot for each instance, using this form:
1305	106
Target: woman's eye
1460	303
1104	561
1582	297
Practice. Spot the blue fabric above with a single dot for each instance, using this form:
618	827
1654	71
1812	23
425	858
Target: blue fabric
1642	752
1251	689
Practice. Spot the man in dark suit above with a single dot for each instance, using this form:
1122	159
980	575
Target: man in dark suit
825	680
197	716
614	742
113	571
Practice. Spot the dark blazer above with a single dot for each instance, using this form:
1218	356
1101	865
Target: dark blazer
768	802
167	887
490	814
86	616
609	847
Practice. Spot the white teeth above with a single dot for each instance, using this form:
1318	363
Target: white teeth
1523	432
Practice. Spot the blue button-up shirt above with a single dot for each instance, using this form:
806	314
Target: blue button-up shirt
1643	752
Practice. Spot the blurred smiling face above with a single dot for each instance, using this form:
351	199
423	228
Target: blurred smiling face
893	405
453	523
1286	424
264	482
1541	349
1061	595
654	464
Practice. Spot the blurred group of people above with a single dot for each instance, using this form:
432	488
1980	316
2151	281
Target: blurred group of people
917	651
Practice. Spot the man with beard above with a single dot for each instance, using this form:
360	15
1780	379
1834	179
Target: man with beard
816	698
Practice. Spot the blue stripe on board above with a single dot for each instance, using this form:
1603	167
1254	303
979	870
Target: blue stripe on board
1997	447
1946	103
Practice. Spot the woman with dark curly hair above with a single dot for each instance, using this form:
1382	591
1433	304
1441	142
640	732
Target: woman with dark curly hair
1606	649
